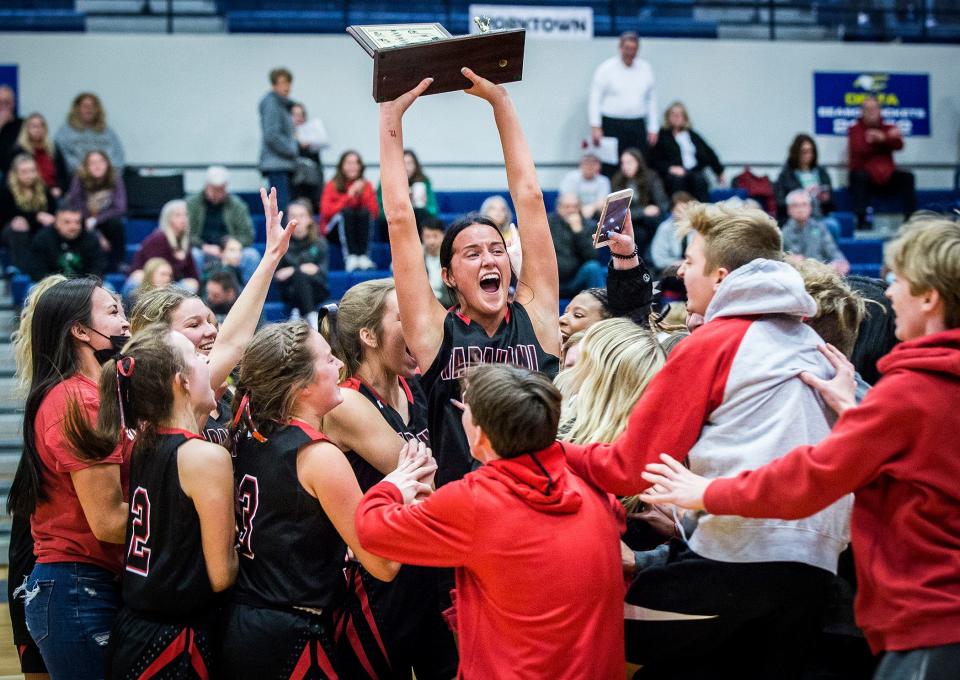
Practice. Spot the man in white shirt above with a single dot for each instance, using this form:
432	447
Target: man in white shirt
623	101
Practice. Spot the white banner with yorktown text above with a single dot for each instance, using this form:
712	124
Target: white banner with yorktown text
563	23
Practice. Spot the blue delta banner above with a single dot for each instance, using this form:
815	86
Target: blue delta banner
904	98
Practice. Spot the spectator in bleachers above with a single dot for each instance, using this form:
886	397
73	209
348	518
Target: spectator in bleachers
98	192
34	141
431	233
422	198
577	263
215	213
650	202
681	156
86	130
230	260
496	209
66	249
26	206
347	210
220	292
10	123
667	247
156	273
311	135
802	171
588	184
278	146
623	102
804	236
303	270
871	143
170	241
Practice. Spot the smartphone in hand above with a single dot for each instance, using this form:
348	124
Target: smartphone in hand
616	208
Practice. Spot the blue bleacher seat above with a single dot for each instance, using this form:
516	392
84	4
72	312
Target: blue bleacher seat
380	254
862	251
259	227
19	289
138	229
284	21
42	20
871	270
275	311
337	283
335	258
115	281
847	221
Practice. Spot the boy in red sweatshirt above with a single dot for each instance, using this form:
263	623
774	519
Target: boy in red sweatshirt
896	452
536	550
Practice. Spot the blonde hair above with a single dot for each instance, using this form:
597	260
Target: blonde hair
156	306
618	359
73	118
276	364
500	200
686	116
360	307
23	139
840	309
732	235
20	338
149	269
183	243
927	254
32	198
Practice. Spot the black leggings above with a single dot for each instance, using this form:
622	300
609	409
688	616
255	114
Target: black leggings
693	182
353	231
303	291
113	231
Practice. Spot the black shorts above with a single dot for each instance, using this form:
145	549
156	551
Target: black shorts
407	613
21	561
260	643
148	650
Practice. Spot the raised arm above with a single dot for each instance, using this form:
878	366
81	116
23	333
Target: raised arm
241	323
540	278
420	311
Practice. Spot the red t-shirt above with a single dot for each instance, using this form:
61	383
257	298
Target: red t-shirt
61	532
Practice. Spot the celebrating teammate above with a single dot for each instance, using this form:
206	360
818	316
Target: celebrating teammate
484	326
180	530
382	399
296	499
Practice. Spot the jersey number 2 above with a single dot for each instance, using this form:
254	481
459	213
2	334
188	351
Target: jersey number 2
138	554
248	498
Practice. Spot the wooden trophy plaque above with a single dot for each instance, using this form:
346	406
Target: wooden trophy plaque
405	54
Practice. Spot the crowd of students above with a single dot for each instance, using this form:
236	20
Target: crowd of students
420	490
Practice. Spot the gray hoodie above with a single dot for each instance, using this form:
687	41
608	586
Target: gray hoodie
767	411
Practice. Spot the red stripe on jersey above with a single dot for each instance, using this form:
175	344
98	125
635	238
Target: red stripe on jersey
323	661
303	664
309	430
354	639
196	658
173	650
367	612
177	430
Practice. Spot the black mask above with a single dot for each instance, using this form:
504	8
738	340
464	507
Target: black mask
116	344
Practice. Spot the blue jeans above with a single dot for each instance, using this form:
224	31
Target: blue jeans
70	608
591	274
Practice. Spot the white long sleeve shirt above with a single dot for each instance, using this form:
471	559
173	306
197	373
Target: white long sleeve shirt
621	91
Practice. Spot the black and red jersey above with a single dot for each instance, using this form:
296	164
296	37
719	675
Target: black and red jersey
414	429
165	573
291	555
466	344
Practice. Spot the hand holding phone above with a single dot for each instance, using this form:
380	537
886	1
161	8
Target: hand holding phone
616	209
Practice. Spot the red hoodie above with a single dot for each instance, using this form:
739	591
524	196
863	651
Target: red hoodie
539	583
898	454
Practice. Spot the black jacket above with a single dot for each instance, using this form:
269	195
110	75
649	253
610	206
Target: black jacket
53	254
573	249
788	181
667	153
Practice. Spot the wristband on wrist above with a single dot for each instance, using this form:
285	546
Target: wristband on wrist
635	253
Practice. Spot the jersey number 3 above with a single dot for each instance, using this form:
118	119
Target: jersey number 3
138	554
248	498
